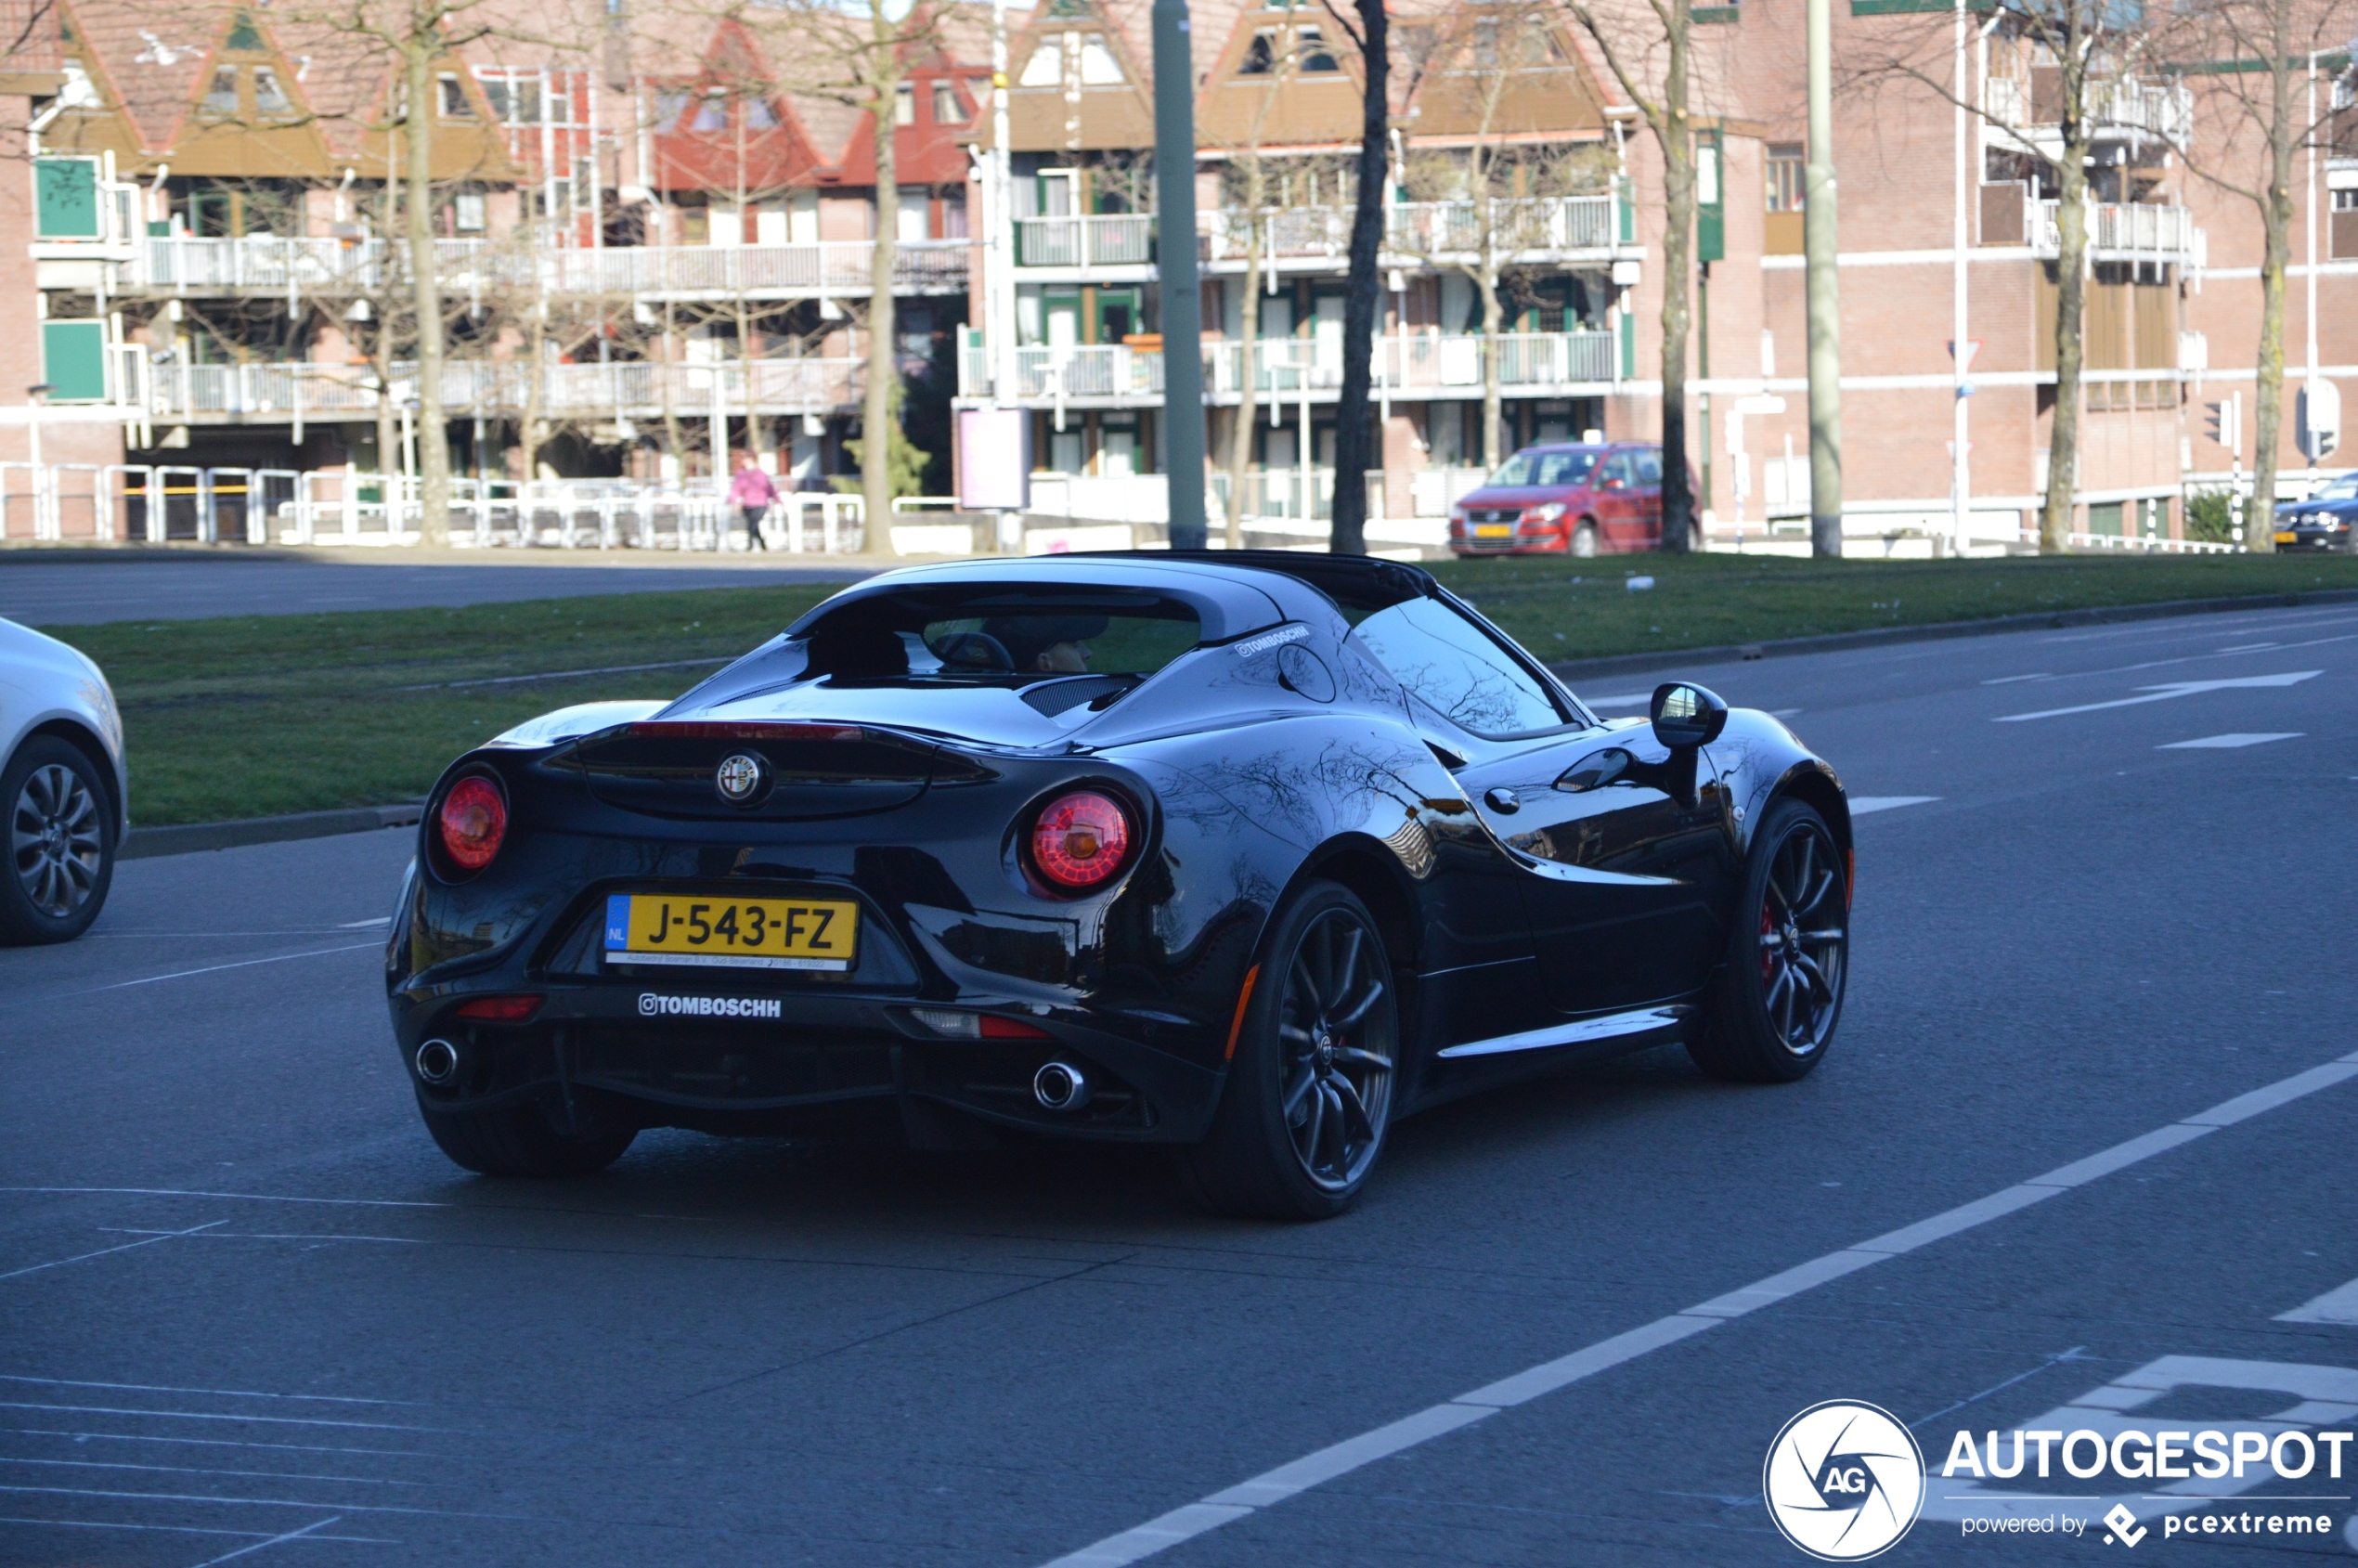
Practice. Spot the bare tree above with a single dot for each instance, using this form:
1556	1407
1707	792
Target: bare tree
1630	48
1355	446
2248	58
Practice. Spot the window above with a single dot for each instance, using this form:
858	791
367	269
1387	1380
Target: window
1785	163
954	215
222	96
1649	467
1045	67
1316	58
1006	637
495	93
947	110
1098	68
1544	469
669	107
455	104
466	211
712	112
759	116
270	100
1260	55
560	105
1453	667
904	104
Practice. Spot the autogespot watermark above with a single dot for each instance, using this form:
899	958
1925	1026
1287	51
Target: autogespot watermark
1843	1480
2240	1456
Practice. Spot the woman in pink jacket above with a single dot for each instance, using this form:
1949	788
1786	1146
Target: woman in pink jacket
753	490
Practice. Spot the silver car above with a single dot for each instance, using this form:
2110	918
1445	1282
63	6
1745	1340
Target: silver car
63	784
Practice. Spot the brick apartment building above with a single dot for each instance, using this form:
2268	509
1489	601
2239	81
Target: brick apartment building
653	248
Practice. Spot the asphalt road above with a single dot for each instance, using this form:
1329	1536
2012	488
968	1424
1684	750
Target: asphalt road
245	1304
180	587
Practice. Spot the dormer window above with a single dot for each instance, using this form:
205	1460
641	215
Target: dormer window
222	96
712	112
270	100
1098	68
1260	55
1315	56
759	116
453	98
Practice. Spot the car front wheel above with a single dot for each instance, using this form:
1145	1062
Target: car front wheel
1781	996
61	843
1308	1099
1584	539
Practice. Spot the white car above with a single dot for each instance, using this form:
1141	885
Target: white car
62	783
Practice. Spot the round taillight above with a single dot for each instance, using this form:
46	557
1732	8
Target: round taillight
473	820
1081	840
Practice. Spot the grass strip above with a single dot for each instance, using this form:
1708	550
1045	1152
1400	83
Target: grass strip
257	715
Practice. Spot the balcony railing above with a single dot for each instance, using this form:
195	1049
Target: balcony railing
2121	230
1287	368
1417	228
1102	240
270	393
2164	111
262	264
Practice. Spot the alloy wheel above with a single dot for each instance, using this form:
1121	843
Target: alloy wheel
1803	941
1336	1041
58	841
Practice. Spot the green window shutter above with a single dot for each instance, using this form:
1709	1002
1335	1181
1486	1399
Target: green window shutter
73	360
66	195
1627	210
1628	346
1711	204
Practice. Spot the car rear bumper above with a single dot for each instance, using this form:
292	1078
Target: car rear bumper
676	1052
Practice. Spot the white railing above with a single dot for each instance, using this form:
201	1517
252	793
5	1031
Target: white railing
270	392
1289	367
2151	544
2132	230
1552	225
265	263
2164	111
1099	240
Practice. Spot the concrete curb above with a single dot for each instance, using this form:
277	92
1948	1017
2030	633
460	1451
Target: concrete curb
146	843
1938	631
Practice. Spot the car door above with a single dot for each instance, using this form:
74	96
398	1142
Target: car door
1617	514
1613	883
1647	491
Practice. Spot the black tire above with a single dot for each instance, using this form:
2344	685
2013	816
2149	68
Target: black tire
60	836
1780	997
1308	1100
1584	539
521	1140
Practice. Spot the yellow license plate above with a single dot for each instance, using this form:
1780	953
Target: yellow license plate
1494	530
698	931
2287	537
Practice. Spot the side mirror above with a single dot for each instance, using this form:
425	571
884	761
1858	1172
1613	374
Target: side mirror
1686	716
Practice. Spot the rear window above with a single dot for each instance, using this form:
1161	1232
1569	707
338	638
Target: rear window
997	634
1542	467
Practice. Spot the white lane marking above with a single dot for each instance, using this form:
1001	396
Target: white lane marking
256	1502
258	1545
216	968
1866	805
2230	742
179	1529
198	1470
1276	1485
276	1235
104	1251
2164	693
2010	680
218	1392
2335	1306
357	924
210	1416
246	1197
215	1443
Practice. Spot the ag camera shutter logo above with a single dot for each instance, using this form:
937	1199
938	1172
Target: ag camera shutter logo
1843	1480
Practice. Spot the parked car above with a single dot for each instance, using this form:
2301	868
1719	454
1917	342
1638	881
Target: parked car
63	784
1248	853
1566	499
2328	520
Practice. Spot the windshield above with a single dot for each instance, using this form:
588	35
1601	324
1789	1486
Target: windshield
2342	489
1001	635
1544	466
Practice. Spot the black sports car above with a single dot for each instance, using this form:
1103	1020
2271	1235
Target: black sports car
2328	520
1250	853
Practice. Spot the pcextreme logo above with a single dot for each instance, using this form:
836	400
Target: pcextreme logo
1843	1480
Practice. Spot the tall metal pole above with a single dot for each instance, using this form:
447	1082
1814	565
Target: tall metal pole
1183	436
999	257
1825	303
2267	510
1961	474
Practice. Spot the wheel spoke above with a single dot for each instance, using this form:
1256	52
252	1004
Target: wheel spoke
1357	1013
1314	1004
1357	1056
1354	1110
1332	1104
1819	939
1292	1101
1808	968
1317	1131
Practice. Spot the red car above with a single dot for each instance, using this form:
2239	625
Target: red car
1565	499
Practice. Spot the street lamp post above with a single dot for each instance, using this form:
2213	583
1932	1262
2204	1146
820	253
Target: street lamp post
1825	304
1182	437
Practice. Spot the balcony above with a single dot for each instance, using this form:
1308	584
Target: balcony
1309	369
2119	232
1554	226
2035	107
1103	240
267	265
268	394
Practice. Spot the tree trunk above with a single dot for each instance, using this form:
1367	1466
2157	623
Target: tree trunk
1493	441
2276	224
1678	142
2062	442
875	417
528	434
1240	436
1355	446
674	435
433	440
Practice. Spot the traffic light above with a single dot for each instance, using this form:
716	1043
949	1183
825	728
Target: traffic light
2227	422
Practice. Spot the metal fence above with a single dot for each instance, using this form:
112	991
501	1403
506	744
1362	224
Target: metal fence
637	388
268	264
